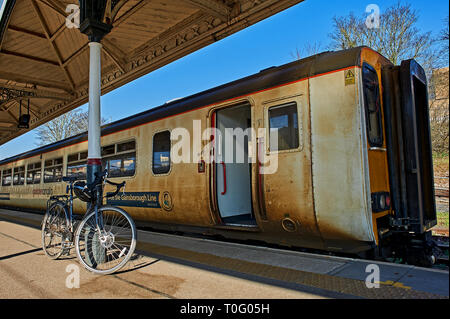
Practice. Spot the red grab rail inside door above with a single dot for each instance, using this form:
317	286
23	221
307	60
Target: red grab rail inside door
224	178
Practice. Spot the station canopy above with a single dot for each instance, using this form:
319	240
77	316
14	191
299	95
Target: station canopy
45	65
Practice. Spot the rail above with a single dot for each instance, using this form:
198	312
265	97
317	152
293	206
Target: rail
438	189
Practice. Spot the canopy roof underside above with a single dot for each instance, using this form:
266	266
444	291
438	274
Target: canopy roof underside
47	63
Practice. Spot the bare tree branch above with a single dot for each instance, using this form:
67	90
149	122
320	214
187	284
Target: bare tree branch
397	37
69	124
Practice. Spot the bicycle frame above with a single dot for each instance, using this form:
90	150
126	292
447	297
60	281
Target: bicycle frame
67	200
94	205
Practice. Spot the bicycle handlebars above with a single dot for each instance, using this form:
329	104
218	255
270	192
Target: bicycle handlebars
118	187
90	189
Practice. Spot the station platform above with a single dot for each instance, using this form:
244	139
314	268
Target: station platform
172	266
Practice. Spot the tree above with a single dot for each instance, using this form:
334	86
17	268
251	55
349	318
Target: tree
439	97
69	124
307	50
439	112
443	40
397	37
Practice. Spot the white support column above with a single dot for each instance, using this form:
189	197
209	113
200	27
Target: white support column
94	133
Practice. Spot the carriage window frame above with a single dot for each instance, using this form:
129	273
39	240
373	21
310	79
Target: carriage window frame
169	168
20	172
7	173
376	139
53	165
112	152
33	169
278	104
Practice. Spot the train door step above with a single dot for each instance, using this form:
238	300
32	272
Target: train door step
240	220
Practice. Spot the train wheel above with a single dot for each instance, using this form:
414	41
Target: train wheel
53	230
107	248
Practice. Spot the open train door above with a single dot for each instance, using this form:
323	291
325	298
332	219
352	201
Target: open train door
232	169
411	177
417	147
409	147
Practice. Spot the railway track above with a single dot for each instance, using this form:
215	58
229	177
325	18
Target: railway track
442	260
440	237
441	188
441	192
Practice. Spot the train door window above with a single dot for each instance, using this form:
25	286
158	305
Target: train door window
53	170
34	173
77	165
120	159
372	103
7	177
284	119
161	153
19	175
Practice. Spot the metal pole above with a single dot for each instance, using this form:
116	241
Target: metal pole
94	162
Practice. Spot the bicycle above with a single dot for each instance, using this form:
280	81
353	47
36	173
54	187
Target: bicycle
58	222
105	238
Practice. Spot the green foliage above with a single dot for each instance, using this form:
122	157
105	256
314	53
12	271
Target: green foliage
442	218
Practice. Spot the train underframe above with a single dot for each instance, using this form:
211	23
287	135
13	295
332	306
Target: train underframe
400	245
413	249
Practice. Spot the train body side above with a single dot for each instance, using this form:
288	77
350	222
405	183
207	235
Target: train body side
311	185
339	161
319	196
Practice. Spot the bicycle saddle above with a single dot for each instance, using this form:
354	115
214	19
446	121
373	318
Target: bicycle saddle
69	179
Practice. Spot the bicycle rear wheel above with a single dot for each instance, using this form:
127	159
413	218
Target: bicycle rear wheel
54	229
107	248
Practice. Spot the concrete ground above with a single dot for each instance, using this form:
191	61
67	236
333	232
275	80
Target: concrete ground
26	272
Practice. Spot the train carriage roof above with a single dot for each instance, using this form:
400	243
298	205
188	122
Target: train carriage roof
268	78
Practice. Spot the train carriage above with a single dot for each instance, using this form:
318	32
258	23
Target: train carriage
335	155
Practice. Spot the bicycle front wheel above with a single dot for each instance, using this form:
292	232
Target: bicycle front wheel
105	245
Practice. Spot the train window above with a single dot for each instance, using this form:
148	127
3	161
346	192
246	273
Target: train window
161	153
120	159
108	150
34	173
77	165
19	175
72	158
284	118
123	147
77	169
373	106
123	165
53	170
7	177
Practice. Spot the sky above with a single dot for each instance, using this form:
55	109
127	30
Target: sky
271	42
